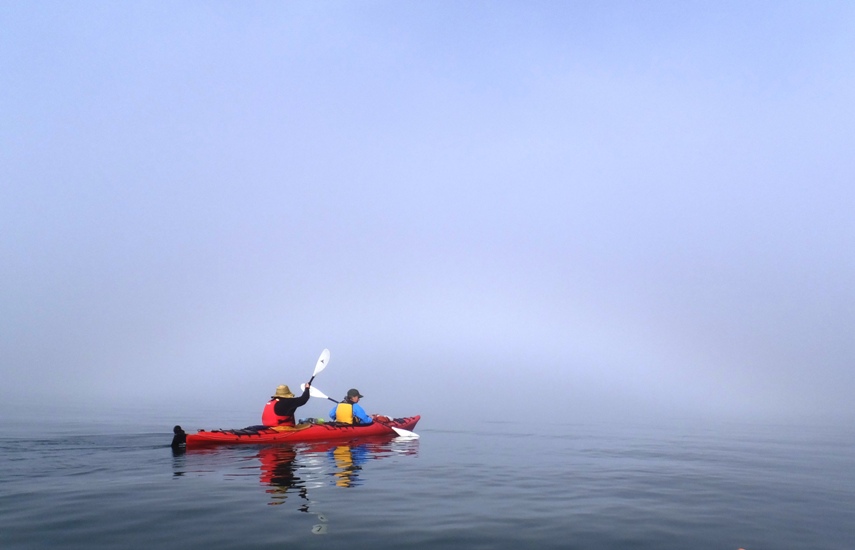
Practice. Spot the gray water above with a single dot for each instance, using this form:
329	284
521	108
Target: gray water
481	485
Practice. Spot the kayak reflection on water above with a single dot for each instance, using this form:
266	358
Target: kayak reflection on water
343	461
298	469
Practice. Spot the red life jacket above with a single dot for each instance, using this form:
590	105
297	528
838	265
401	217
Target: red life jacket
270	418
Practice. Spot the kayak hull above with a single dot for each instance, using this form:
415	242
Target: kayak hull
306	432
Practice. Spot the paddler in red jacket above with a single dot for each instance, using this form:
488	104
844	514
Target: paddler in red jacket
279	411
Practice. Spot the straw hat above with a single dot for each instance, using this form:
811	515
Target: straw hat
283	391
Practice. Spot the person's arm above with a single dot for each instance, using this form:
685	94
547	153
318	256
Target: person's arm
303	399
359	412
332	412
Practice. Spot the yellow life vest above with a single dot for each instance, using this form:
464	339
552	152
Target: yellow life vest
344	413
344	462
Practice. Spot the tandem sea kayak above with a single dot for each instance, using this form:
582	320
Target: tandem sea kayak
302	432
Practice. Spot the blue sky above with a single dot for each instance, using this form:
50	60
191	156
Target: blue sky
598	210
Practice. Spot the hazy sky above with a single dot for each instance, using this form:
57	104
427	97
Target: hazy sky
566	210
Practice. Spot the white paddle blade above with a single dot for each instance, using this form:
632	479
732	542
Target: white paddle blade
322	362
315	392
405	433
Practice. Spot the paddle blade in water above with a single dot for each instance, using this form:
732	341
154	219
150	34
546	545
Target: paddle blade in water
405	433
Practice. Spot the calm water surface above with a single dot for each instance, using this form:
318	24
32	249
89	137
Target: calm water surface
489	485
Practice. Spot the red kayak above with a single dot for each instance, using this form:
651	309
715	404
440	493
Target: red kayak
301	432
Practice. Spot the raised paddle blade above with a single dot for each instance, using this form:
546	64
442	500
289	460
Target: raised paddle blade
321	364
405	433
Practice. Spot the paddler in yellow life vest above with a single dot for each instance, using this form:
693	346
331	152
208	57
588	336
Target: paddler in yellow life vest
348	411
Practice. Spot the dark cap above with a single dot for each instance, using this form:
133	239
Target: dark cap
353	392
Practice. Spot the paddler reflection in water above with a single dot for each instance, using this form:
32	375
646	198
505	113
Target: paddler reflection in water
348	411
278	471
348	460
279	411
